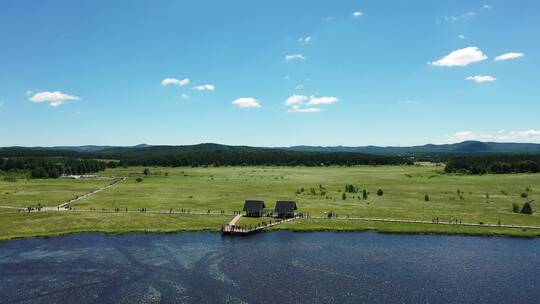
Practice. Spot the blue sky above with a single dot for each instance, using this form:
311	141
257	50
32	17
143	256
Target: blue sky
268	73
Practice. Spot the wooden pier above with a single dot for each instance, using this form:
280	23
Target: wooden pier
246	230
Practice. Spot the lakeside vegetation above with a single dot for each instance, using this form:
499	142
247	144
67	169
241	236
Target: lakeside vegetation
338	190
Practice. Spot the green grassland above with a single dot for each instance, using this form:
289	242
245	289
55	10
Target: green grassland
486	198
48	192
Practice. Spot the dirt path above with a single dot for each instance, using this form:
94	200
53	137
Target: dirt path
65	205
235	219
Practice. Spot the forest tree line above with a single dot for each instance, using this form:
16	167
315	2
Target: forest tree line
51	167
264	157
494	163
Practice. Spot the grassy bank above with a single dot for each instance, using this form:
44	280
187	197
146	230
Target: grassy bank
472	199
21	225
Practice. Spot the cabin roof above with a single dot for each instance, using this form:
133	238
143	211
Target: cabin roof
285	206
253	206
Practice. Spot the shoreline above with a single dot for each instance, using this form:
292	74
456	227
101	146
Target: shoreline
300	226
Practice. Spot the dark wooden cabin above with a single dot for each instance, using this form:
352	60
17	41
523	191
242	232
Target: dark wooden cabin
285	209
254	208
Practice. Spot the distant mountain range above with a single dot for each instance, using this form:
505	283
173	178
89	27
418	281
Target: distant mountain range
462	147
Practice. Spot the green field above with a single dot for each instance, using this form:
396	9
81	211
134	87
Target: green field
486	199
49	192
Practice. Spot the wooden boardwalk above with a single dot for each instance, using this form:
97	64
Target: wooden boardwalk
246	230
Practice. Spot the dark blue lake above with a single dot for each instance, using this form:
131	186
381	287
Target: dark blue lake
277	267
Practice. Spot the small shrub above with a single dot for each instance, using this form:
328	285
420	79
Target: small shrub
344	197
146	171
139	180
524	195
350	189
380	192
364	194
426	198
515	207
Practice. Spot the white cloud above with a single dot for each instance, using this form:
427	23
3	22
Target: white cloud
304	110
487	7
205	87
481	78
461	36
184	96
509	56
29	92
295	100
304	104
247	102
357	14
461	57
174	81
304	40
54	99
291	57
322	100
327	19
502	135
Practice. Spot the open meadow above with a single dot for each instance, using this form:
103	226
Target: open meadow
317	191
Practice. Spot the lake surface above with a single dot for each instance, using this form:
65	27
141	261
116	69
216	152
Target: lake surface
277	267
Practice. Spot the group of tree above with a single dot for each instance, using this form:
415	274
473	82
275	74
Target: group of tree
213	154
494	163
526	209
51	167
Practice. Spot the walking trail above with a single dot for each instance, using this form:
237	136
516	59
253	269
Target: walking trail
235	219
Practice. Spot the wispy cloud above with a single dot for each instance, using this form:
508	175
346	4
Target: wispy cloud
247	102
502	135
509	56
304	40
294	57
305	104
408	102
461	36
462	17
461	57
54	99
468	15
205	87
481	78
357	14
184	96
327	19
297	109
174	81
